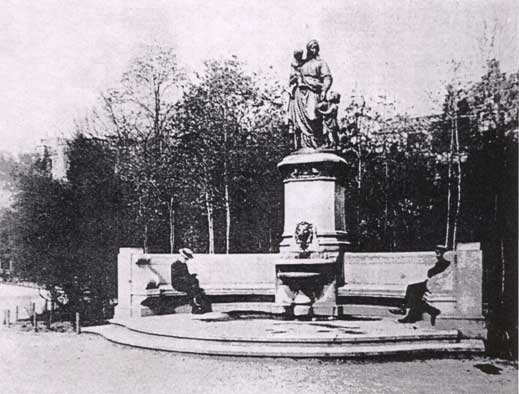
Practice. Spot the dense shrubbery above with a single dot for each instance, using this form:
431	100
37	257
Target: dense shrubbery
66	234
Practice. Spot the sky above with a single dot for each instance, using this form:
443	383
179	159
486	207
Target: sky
56	57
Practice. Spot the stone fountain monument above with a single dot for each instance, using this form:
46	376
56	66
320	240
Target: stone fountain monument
310	268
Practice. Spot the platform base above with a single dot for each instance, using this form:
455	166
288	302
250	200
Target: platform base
235	334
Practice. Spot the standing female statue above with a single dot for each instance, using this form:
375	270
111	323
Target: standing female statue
310	82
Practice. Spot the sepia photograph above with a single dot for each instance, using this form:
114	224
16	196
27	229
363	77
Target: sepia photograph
270	197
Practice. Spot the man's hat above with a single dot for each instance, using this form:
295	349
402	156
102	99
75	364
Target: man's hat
441	247
186	252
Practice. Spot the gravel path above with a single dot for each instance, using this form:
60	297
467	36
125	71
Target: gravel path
65	363
12	296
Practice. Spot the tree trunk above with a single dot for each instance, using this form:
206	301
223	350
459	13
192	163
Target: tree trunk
156	114
449	182
171	226
269	227
143	218
458	202
227	213
210	213
386	200
226	195
210	222
359	197
145	238
270	239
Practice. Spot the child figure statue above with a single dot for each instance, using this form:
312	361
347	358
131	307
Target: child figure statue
295	75
329	110
294	81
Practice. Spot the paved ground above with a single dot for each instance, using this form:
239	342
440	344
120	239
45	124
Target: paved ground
239	334
66	363
243	326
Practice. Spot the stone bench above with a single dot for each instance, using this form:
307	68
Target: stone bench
360	290
395	291
373	277
223	290
393	295
165	299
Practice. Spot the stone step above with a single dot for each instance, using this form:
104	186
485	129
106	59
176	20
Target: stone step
317	336
331	349
309	342
472	328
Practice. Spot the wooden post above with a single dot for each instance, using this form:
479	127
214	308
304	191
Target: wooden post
5	317
51	310
16	314
47	313
78	327
34	317
8	318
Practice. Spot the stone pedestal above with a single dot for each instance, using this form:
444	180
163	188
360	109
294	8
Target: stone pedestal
310	267
315	194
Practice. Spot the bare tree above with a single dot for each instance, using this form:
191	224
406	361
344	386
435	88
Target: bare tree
137	119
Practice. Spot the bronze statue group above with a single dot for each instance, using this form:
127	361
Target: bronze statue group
312	106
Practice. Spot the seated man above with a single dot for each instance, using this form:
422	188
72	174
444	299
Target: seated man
182	280
415	293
